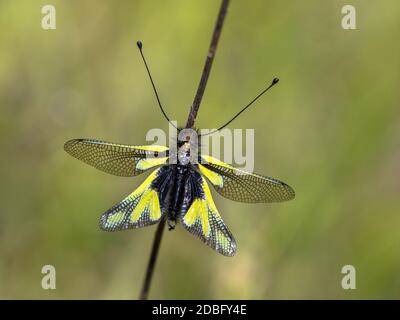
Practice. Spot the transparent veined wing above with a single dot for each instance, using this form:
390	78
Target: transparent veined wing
117	159
200	217
238	185
143	207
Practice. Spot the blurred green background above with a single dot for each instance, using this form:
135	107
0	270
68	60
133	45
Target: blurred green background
331	129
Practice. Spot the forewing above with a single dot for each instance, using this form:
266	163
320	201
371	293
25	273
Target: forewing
200	217
117	159
238	185
141	208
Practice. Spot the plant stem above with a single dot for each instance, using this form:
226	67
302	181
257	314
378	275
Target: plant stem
153	257
190	122
207	66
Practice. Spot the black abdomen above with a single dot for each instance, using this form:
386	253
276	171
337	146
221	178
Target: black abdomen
175	190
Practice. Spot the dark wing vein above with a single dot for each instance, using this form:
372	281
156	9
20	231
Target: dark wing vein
116	159
242	186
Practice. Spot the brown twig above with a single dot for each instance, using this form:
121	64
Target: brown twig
207	66
190	122
153	257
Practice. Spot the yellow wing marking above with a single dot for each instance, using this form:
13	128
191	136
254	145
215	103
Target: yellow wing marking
149	200
239	185
145	164
154	206
152	148
214	177
155	148
147	203
114	158
208	197
192	213
203	220
116	218
217	162
222	240
198	211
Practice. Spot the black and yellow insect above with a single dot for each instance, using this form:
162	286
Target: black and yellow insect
178	192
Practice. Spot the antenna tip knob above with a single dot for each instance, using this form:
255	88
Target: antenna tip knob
275	81
139	44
